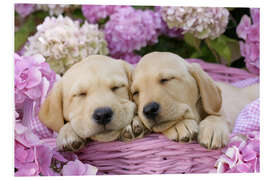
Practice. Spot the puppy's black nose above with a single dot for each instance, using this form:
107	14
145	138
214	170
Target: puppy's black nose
151	110
103	115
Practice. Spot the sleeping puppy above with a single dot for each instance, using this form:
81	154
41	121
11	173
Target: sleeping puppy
180	100
92	100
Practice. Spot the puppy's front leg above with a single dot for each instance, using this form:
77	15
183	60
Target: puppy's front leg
68	140
214	132
134	130
185	131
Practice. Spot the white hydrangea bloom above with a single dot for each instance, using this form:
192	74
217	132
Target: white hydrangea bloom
63	42
202	22
53	9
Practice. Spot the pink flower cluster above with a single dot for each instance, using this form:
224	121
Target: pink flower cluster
34	157
24	9
171	32
130	29
94	13
33	78
202	22
132	58
242	155
250	32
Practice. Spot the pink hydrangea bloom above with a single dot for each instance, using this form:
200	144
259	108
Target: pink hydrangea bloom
243	27
242	155
250	33
25	136
130	29
255	14
93	13
171	32
25	159
34	157
129	57
202	22
33	80
24	9
77	168
30	71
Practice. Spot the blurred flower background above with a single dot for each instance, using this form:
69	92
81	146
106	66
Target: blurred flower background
49	39
64	34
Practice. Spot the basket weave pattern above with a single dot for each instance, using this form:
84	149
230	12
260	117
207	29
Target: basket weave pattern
155	154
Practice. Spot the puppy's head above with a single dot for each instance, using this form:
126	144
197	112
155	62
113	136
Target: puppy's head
166	89
93	95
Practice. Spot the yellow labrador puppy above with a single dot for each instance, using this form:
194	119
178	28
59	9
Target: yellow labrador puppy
92	100
180	100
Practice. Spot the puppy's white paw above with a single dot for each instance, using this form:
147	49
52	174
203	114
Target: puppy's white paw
213	132
127	134
68	140
185	131
134	130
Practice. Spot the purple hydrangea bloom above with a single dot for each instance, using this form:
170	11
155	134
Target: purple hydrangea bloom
34	157
25	156
202	22
77	168
242	154
24	9
128	57
250	33
33	80
131	29
93	13
30	72
171	32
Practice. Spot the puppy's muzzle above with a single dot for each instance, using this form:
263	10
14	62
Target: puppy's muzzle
103	115
151	110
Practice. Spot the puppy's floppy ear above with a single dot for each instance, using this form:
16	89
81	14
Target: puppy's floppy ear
51	111
209	91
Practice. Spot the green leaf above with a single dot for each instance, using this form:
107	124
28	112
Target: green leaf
230	9
22	34
40	14
220	46
228	49
144	7
192	41
234	48
204	54
77	14
103	21
168	44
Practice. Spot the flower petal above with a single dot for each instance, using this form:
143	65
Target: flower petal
243	27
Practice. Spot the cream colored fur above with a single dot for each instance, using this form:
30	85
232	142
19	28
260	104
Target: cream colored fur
192	104
96	81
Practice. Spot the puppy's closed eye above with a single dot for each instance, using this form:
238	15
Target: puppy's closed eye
115	88
164	80
135	93
82	94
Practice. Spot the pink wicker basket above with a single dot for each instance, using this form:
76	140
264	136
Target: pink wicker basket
223	73
155	154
